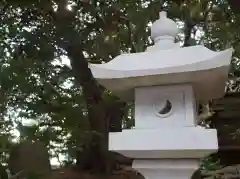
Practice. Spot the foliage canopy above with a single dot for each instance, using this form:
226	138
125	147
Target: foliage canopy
45	48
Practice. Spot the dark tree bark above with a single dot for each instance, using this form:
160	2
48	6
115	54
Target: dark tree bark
103	116
235	6
187	32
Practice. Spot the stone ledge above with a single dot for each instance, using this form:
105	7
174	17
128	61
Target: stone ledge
185	142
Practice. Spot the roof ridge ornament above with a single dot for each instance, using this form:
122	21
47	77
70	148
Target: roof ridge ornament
163	33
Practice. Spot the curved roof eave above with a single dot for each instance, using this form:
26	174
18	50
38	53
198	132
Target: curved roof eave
214	60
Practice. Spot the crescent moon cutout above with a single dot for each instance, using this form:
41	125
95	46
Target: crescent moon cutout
166	108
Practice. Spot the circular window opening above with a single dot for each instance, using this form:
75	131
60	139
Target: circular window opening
164	109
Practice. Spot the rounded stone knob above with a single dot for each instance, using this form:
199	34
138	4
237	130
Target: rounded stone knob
163	28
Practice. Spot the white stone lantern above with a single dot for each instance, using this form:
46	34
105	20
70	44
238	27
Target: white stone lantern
165	82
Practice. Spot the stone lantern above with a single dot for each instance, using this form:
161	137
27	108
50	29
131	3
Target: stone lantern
165	82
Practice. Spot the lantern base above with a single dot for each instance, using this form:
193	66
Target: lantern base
171	143
167	168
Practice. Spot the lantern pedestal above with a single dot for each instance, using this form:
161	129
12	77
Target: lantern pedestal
166	168
184	142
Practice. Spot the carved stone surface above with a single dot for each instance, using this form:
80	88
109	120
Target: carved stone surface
164	169
206	69
189	142
150	101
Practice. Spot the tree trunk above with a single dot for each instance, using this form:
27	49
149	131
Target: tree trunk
100	112
95	156
103	115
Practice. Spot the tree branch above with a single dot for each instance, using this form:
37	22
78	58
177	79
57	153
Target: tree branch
187	32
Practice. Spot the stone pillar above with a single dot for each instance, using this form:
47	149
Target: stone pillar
166	168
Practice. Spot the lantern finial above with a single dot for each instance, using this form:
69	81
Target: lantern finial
164	30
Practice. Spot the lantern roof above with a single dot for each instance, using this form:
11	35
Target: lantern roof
166	63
